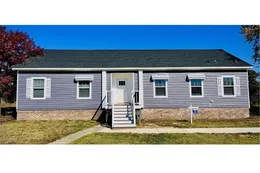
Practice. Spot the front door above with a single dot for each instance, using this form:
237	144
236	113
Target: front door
122	94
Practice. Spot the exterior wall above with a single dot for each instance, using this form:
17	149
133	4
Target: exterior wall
109	81
179	91
56	115
64	104
204	113
136	83
63	93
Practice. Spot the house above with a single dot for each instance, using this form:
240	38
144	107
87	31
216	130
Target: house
151	84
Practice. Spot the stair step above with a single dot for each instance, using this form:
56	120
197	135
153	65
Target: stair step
123	116
118	110
123	122
122	113
123	107
123	125
122	119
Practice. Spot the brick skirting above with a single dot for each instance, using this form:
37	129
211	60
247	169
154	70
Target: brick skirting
160	113
204	113
56	115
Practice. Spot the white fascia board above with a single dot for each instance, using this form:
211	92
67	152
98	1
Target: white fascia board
130	68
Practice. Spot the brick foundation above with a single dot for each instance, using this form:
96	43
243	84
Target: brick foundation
56	115
160	113
204	113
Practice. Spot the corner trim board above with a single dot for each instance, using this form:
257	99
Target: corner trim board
17	90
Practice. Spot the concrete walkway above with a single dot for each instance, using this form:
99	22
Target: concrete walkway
82	133
77	135
183	130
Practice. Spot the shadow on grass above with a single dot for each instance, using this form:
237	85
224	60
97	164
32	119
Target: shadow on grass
182	121
9	111
255	111
8	114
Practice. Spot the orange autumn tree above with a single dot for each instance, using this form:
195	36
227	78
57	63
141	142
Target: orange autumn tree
16	47
251	34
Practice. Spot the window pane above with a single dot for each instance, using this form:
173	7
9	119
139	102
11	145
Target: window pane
38	93
228	81
160	92
228	90
160	82
38	83
195	82
83	83
121	83
84	92
196	91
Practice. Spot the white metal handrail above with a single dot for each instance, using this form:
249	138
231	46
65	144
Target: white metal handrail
112	115
137	96
109	96
133	105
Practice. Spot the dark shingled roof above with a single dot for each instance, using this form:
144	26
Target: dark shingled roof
134	58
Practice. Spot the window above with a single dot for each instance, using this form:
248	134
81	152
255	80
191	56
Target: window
228	86
84	89
196	88
160	88
38	88
121	83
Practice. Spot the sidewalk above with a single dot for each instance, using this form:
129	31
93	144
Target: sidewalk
77	135
183	130
82	133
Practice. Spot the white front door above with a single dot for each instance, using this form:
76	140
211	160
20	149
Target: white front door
121	90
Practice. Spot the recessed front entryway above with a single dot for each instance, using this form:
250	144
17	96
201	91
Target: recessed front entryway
122	85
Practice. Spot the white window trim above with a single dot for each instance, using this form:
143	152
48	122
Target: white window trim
222	80
32	87
166	89
202	88
90	91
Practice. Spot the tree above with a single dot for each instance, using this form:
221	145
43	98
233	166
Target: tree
251	34
253	87
16	47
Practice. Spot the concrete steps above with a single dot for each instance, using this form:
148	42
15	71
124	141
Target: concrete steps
123	116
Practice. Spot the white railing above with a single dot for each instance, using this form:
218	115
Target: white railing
137	96
112	102
112	115
109	97
113	97
133	105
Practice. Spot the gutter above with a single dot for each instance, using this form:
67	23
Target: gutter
133	68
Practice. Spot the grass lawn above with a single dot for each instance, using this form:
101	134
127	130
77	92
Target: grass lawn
39	132
166	138
247	122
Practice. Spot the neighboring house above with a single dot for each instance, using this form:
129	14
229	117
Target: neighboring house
74	84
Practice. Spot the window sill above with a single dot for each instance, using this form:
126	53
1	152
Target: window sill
38	98
196	96
160	97
229	96
84	98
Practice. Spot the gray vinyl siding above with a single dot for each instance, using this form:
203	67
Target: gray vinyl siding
179	96
108	81
63	93
136	81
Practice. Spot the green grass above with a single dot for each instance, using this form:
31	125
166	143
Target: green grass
221	123
166	138
39	132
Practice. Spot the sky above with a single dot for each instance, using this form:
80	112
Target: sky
225	37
